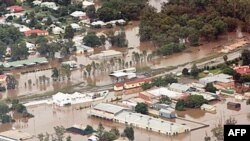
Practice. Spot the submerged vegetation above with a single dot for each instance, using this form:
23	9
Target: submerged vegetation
189	22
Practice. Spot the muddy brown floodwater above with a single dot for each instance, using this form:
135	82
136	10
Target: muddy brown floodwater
101	78
49	116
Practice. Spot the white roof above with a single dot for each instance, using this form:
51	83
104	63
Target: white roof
75	26
178	86
155	124
61	96
57	30
37	2
110	108
168	110
98	23
121	21
30	45
219	78
16	135
87	3
78	14
106	54
119	74
162	91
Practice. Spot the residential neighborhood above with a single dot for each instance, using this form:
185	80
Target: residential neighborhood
123	70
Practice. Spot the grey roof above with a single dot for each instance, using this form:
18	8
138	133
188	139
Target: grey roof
110	108
168	110
219	78
150	122
178	86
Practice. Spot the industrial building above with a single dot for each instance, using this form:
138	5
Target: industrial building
106	55
122	115
151	96
62	99
150	123
167	113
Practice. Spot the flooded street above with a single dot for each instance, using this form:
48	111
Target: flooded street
48	116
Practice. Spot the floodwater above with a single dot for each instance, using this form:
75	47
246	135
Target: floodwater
100	78
49	116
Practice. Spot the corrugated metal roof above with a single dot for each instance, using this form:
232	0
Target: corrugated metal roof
110	108
27	62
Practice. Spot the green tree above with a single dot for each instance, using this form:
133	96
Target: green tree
194	70
229	71
208	31
245	57
100	132
55	74
115	131
89	68
69	32
91	11
65	69
68	138
129	133
165	100
195	101
180	105
10	35
40	137
210	88
19	51
92	40
108	136
59	131
141	108
225	58
146	86
185	72
4	108
89	129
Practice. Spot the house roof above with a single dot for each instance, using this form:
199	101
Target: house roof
78	14
219	78
178	86
16	8
2	76
138	81
119	84
34	31
87	3
242	70
168	110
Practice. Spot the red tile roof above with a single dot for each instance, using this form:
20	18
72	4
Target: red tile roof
16	8
119	84
34	31
243	70
138	81
2	76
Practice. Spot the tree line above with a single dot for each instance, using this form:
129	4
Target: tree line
189	22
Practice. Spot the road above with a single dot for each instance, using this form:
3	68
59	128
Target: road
214	62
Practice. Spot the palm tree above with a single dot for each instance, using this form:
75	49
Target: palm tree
144	52
88	69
